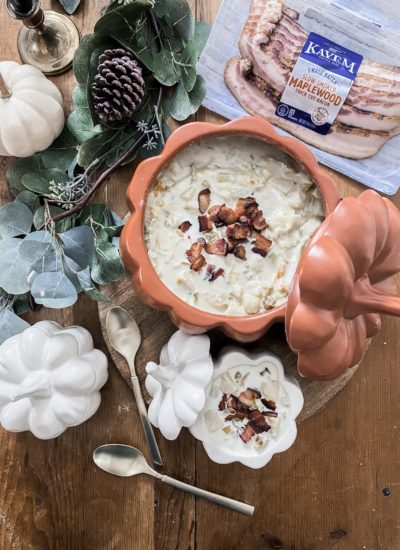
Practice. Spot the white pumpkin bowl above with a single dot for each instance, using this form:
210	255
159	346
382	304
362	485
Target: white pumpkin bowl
50	379
231	357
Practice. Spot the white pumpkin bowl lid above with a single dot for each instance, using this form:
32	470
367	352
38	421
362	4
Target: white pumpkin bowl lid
180	384
236	357
50	379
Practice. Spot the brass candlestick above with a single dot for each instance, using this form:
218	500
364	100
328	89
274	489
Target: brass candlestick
47	40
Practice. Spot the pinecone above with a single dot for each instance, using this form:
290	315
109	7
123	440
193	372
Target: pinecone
118	87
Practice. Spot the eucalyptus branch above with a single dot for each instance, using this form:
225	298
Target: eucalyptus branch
107	173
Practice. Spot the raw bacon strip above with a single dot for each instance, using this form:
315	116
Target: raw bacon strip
346	141
273	40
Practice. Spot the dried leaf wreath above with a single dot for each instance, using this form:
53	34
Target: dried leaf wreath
54	241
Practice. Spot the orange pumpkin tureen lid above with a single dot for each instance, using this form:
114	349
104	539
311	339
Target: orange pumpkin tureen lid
342	283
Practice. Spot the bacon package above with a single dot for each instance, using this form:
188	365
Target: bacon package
326	73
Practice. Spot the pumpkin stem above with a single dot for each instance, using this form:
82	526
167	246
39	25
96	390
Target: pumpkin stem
4	89
39	387
367	299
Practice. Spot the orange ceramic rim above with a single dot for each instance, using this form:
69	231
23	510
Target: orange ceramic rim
145	281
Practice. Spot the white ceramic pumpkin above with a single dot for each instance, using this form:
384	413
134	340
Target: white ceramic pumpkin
49	379
33	116
179	385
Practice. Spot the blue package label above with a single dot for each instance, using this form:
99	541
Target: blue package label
319	84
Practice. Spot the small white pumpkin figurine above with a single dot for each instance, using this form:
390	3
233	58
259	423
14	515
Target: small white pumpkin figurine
49	379
31	110
179	385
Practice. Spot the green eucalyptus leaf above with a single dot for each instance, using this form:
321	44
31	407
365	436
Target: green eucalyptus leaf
165	70
88	287
201	33
22	304
40	182
10	324
97	214
29	198
95	147
188	61
107	266
143	45
178	16
122	141
16	219
19	167
54	290
79	97
39	218
61	152
121	21
78	245
87	45
17	257
70	6
81	131
184	104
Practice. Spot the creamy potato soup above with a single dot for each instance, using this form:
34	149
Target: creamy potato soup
226	222
247	409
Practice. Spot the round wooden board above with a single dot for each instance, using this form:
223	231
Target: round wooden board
156	329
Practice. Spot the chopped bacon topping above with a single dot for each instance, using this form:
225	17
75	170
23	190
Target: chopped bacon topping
251	429
242	408
198	264
213	212
269	404
217	273
258	221
238	232
227	215
185	226
204	200
228	402
248	396
261	245
259	419
240	252
195	257
204	224
243	205
219	247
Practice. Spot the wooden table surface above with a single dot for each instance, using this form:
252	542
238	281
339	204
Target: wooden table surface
326	492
